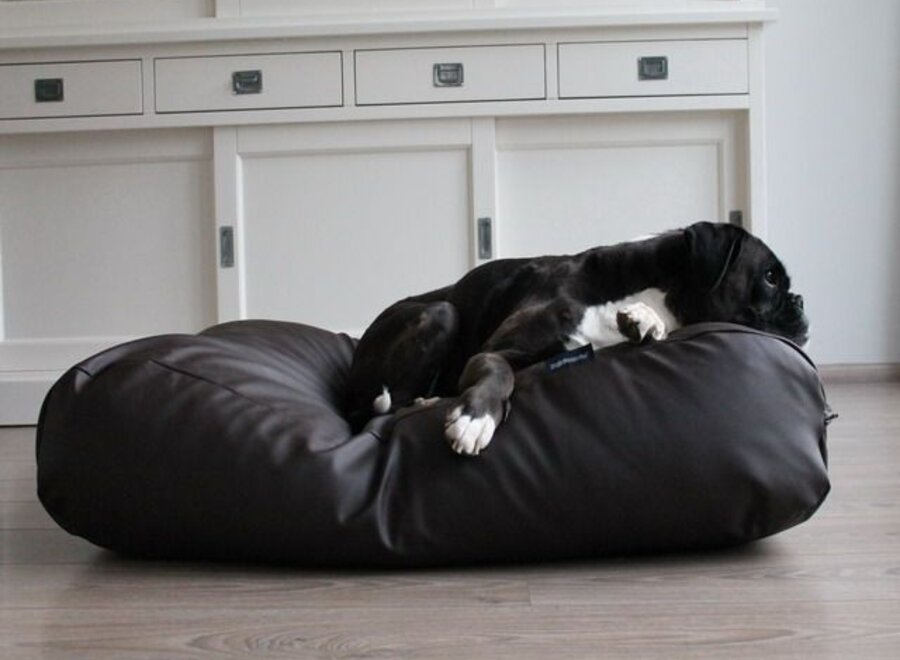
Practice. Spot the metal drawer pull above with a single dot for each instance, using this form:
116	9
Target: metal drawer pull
653	68
448	74
48	90
246	82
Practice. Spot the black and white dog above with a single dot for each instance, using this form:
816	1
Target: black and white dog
467	339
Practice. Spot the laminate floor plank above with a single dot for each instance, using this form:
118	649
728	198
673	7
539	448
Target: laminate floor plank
44	546
111	584
24	515
17	490
829	588
858	629
766	576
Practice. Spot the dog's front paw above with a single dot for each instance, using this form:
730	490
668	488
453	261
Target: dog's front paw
638	322
467	431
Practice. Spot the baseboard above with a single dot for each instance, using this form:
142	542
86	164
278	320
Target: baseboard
860	373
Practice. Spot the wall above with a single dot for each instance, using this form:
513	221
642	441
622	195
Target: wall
833	113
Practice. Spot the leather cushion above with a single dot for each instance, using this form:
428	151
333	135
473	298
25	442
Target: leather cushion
231	445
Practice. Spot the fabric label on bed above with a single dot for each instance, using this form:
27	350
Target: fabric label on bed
569	358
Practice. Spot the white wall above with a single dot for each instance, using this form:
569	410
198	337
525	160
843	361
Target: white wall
833	112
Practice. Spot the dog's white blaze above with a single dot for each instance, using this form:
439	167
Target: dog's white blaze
599	327
382	402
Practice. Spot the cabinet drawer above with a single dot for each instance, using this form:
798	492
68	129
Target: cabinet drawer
70	89
248	82
653	68
444	75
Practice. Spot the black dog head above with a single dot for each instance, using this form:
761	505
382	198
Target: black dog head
730	275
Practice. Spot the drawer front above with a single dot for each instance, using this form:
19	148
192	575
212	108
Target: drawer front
70	89
653	68
446	75
248	82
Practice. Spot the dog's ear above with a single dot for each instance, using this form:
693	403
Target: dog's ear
713	248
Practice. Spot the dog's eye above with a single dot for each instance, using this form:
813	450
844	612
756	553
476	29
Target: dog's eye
771	277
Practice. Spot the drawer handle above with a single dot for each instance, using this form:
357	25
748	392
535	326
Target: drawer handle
653	68
246	82
48	90
449	74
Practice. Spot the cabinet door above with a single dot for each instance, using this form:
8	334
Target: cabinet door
103	237
339	223
567	184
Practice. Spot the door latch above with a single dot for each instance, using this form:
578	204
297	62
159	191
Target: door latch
485	239
226	247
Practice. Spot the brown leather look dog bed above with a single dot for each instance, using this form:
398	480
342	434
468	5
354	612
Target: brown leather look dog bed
231	445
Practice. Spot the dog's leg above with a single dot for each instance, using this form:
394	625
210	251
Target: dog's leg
400	357
487	384
529	335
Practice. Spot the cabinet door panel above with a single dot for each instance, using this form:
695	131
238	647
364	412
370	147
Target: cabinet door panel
568	184
332	238
106	249
567	200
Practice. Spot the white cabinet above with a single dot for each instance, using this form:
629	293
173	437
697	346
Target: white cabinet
207	170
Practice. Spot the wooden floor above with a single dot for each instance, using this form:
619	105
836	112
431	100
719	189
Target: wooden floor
827	589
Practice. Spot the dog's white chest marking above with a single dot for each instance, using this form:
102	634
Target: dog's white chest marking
599	325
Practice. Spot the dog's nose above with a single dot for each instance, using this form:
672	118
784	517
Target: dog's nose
798	301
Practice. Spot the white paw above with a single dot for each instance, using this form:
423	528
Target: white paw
382	402
643	322
468	435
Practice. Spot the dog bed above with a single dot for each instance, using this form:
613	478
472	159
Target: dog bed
231	445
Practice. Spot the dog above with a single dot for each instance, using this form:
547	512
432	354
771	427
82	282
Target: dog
469	338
